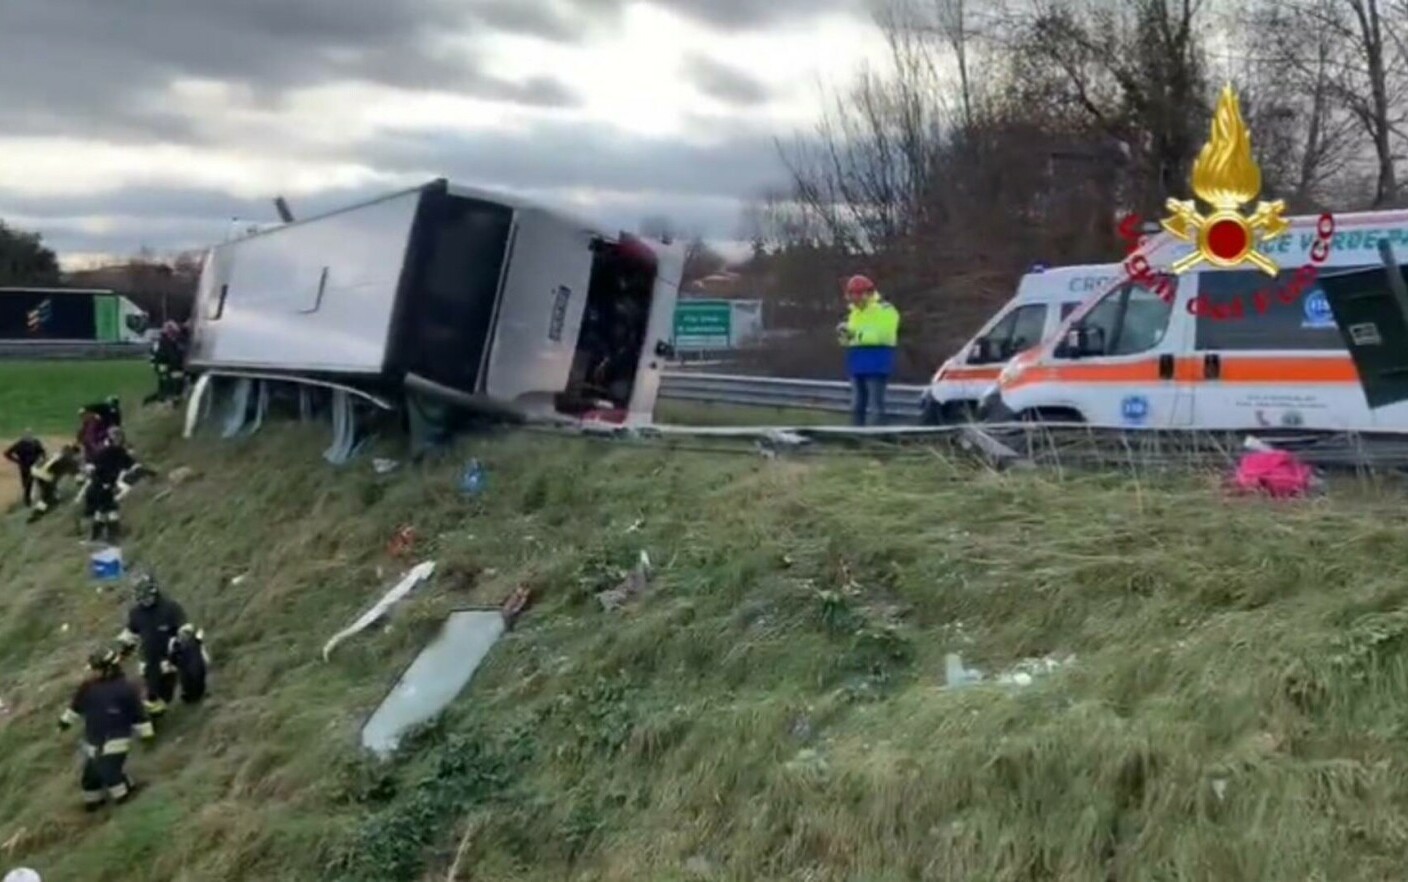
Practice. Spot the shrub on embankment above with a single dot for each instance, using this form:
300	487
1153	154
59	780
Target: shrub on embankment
772	708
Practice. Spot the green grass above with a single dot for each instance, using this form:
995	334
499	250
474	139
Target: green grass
45	395
773	709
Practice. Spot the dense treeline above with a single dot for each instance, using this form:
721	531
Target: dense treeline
999	134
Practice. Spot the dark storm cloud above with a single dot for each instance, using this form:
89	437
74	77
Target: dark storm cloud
700	186
555	155
569	20
98	68
725	83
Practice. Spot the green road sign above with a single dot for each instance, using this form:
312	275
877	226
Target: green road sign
703	324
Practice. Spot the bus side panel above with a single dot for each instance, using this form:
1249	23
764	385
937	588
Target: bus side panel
313	296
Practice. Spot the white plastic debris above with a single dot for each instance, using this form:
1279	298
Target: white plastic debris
636	583
239	580
418	574
1026	671
956	676
22	874
385	466
1219	787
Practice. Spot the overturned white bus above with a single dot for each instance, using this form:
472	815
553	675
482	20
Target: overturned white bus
439	296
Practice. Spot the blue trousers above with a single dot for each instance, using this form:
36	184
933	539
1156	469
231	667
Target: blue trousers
868	393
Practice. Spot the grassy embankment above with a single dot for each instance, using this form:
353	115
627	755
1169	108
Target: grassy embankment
773	709
45	395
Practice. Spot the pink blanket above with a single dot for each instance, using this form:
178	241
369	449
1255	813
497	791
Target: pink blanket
1276	473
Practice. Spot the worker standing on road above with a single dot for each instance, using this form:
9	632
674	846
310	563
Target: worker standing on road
26	453
100	496
48	475
154	624
870	335
112	713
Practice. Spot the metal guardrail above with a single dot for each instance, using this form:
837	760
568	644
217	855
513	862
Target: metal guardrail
78	350
824	395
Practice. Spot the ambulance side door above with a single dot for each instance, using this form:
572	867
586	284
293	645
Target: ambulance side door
1119	370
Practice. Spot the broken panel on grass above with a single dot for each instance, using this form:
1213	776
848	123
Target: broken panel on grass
438	674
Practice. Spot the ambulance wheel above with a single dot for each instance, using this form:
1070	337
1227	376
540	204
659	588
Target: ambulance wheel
932	414
949	413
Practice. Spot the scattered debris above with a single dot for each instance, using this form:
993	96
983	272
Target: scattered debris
402	541
239	580
385	466
4	708
515	604
775	441
1024	673
635	526
22	874
106	565
181	475
699	867
1276	473
1219	787
418	574
11	845
471	828
801	728
473	479
438	674
998	455
636	583
956	676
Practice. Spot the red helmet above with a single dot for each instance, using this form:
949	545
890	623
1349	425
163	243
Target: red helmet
859	286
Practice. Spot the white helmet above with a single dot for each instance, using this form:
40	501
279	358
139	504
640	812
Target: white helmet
22	874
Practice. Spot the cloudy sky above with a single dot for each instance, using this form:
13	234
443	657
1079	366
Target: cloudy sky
152	122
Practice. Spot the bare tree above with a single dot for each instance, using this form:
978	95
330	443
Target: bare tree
1137	71
1286	69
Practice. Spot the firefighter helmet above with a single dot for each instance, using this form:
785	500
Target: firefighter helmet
146	588
104	660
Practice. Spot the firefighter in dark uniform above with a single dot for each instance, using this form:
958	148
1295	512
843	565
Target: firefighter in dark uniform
100	496
47	476
112	713
168	359
154	624
26	453
108	412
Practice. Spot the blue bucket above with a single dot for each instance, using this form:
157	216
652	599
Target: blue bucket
106	565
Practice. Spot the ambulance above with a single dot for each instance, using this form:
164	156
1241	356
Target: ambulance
1044	298
1217	349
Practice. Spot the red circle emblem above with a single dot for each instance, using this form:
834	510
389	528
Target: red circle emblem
1227	239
